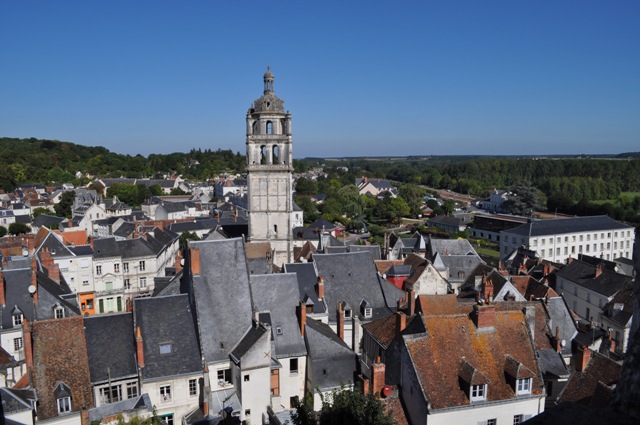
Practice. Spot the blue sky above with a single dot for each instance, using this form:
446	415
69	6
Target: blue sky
359	77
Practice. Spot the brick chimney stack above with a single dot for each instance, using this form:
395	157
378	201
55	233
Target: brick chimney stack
320	288
28	353
612	342
484	317
302	317
2	290
195	261
412	302
401	322
139	347
598	270
340	320
556	341
377	376
583	355
34	283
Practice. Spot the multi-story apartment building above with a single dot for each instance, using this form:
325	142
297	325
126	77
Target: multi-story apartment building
558	239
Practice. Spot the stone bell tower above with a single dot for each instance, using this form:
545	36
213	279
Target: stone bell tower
269	172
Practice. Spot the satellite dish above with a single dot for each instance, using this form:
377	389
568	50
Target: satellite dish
564	342
182	262
32	289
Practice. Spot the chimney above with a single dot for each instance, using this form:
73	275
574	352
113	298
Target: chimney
34	283
178	262
340	317
28	353
583	355
377	376
412	302
195	261
569	259
355	334
488	291
320	288
303	317
401	322
556	342
2	291
612	342
484	317
365	384
139	347
84	416
530	317
54	272
598	270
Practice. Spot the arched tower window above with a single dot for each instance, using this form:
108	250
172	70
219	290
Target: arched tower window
276	154
263	154
283	126
254	127
269	127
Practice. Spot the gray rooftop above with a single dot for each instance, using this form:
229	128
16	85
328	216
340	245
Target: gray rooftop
567	225
223	296
179	333
608	283
306	279
279	294
110	346
333	364
353	277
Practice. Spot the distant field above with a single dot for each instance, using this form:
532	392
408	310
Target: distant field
486	252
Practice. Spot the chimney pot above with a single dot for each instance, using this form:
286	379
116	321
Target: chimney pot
401	322
303	317
139	347
377	376
583	357
340	321
195	261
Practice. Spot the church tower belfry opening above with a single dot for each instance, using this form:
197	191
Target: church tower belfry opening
269	172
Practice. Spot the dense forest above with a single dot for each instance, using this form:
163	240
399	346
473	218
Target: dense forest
55	162
575	185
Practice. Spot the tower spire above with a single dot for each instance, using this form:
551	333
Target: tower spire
268	81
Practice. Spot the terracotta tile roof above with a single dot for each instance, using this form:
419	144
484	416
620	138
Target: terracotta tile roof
582	387
60	355
384	265
453	339
393	405
437	305
384	330
77	237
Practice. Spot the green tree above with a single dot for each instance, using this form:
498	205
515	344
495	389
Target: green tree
63	208
19	228
413	195
177	192
39	211
3	231
343	407
185	238
305	186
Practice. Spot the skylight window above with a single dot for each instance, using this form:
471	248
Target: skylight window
165	348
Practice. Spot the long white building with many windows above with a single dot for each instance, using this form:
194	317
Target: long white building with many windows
558	239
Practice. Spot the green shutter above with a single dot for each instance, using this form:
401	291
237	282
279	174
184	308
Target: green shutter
119	303
101	306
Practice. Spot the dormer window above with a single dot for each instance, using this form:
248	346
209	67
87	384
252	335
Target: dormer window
17	319
523	386
62	393
478	392
279	330
347	313
58	312
366	309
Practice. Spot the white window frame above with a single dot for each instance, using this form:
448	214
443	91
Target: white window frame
523	386
165	393
478	392
193	387
18	343
224	375
125	267
143	282
64	404
18	319
291	366
132	389
98	270
141	266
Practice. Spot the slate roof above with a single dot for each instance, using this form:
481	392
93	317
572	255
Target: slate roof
141	403
126	229
151	316
352	277
111	347
625	299
81	250
399	270
47	220
194	225
15	400
222	295
567	225
583	274
322	224
333	364
17	294
582	386
279	294
373	249
452	341
306	279
450	247
251	336
127	248
54	244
